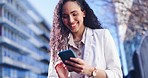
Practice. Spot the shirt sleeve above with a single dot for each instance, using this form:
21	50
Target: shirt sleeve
51	69
112	58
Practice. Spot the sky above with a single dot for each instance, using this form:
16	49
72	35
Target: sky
45	8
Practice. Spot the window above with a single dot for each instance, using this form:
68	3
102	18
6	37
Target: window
14	73
0	11
21	74
5	53
33	75
6	72
1	30
5	32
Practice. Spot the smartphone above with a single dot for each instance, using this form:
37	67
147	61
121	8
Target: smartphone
66	54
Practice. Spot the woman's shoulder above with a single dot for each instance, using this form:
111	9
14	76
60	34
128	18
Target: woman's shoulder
100	31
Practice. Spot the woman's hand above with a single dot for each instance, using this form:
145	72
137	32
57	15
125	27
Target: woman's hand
79	66
61	70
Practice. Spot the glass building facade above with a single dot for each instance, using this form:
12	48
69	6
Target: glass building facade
24	38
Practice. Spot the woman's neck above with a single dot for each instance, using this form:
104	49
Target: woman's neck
78	35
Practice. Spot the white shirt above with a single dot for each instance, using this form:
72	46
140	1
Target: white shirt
100	52
78	49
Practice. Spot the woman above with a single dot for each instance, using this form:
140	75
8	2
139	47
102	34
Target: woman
76	27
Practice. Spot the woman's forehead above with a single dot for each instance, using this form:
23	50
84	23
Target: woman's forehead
70	6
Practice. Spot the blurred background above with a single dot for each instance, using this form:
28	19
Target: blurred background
25	26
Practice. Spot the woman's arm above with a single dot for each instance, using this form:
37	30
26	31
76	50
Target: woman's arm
61	70
113	66
51	71
58	71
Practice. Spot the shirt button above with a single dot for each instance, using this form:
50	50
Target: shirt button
79	53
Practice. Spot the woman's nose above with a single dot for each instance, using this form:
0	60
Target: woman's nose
71	19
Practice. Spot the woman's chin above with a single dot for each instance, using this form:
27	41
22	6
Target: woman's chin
74	30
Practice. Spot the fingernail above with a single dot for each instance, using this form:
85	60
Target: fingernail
71	58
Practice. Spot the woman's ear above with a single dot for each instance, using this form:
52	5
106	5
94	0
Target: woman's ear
84	13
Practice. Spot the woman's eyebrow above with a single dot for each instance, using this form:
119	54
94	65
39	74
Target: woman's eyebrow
70	12
73	11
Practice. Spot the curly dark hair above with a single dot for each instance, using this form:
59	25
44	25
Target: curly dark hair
90	20
59	33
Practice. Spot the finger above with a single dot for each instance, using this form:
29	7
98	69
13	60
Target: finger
77	60
77	70
76	65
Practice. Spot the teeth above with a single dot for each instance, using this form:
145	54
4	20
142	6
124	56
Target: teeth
74	25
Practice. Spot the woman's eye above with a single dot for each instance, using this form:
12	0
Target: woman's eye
64	16
75	14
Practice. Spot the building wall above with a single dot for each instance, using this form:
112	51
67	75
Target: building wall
23	50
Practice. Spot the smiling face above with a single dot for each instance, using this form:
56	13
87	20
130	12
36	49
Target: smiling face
73	16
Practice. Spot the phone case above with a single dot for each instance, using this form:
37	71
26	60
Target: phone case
66	54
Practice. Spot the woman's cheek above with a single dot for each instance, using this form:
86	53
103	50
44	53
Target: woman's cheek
65	21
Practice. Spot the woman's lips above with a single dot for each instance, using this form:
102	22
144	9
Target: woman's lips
73	26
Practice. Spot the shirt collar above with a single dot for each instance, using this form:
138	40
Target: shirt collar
71	40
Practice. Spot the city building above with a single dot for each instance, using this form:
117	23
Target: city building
137	29
24	41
